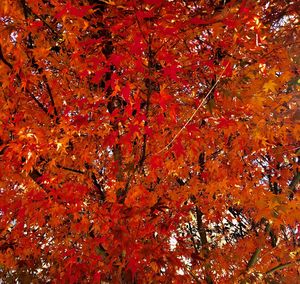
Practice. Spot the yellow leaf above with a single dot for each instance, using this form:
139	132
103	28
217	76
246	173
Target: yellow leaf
270	86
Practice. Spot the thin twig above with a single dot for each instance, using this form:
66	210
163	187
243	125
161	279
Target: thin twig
27	10
197	109
139	26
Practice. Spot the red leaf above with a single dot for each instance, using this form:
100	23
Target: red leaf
171	72
126	92
225	122
198	21
156	162
178	148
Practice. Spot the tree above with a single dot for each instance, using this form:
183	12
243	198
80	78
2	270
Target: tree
149	141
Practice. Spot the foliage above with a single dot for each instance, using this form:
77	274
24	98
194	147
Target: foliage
149	141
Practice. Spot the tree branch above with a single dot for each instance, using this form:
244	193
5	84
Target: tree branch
281	266
254	258
41	106
98	186
200	227
150	88
35	175
70	169
27	10
4	60
50	95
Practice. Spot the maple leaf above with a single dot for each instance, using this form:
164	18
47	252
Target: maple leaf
178	148
156	162
270	86
225	123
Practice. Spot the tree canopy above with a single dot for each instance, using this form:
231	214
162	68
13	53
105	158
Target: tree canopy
152	141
